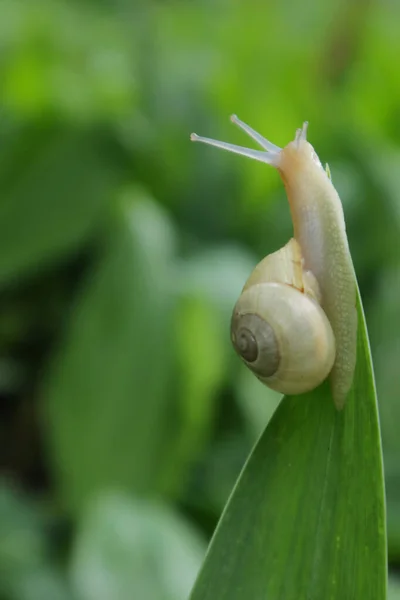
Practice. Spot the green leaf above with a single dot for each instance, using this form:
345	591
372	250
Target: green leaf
394	588
257	402
392	480
54	202
49	71
26	568
128	549
306	520
217	275
105	398
200	372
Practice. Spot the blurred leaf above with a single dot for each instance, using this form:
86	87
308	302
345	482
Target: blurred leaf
129	549
26	572
307	516
216	274
22	543
257	401
207	284
394	588
54	204
384	330
392	478
222	465
43	583
66	59
200	371
376	206
372	90
106	397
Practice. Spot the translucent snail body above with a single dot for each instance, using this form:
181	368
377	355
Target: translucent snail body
323	280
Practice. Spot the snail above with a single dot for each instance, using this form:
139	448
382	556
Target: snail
295	322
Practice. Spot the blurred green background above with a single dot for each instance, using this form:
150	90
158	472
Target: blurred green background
125	415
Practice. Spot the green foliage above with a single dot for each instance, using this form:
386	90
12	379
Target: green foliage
120	320
123	249
54	202
307	516
26	569
149	552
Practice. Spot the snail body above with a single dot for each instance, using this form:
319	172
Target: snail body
310	279
319	227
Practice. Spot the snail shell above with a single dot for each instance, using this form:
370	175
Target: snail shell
278	327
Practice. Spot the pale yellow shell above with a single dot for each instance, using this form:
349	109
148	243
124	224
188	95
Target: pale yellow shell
279	329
